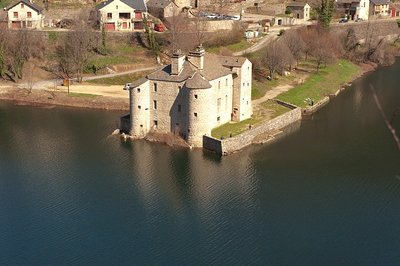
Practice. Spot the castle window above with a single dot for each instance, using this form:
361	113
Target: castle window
139	107
218	118
244	84
195	114
116	7
155	87
15	14
248	84
155	104
179	108
138	89
195	96
226	82
109	15
219	84
29	14
141	125
218	104
155	123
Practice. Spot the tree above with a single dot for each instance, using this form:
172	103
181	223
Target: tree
151	39
200	28
75	51
177	28
325	12
276	56
295	44
322	49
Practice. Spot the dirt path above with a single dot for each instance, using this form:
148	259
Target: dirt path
272	93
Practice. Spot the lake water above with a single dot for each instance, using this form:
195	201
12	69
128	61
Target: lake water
328	194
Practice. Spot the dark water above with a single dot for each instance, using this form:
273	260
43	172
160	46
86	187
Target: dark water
328	194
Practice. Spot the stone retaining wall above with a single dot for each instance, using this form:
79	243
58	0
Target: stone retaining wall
230	145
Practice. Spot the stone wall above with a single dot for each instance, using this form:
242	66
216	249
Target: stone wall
380	28
236	143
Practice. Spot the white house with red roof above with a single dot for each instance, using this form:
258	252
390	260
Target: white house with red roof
25	14
122	15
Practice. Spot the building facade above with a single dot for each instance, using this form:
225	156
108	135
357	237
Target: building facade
191	96
300	10
353	9
379	7
25	14
122	15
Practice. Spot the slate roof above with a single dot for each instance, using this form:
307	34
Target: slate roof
232	61
158	3
138	82
213	69
380	2
347	1
135	4
197	81
296	4
31	5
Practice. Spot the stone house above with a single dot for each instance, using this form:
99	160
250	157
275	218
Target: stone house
25	14
191	96
379	7
353	9
300	10
122	15
167	8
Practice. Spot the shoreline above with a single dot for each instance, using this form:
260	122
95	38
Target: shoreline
47	98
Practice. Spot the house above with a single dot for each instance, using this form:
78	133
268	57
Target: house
353	9
191	96
379	7
395	9
122	15
299	10
166	8
25	14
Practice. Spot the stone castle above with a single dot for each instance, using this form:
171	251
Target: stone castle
191	96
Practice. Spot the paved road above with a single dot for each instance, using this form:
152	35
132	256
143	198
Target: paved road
273	35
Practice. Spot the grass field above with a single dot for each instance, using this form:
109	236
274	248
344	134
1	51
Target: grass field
317	86
119	80
234	47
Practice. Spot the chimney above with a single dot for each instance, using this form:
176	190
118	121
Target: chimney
196	57
177	60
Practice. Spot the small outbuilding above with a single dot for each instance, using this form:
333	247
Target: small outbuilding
299	10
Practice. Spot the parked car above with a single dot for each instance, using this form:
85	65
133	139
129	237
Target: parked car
343	20
159	27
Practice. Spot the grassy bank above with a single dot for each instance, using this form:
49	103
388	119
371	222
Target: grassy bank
234	47
118	80
266	111
317	86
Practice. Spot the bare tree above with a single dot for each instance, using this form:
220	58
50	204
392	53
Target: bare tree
295	44
199	26
177	28
322	49
74	52
276	56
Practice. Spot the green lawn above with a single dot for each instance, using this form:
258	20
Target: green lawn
234	47
274	108
82	95
119	80
317	86
232	128
268	110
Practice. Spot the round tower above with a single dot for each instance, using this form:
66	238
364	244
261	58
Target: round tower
199	109
139	100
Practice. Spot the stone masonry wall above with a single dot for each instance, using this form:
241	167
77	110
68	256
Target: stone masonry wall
236	143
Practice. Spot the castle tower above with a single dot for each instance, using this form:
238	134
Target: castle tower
199	110
139	100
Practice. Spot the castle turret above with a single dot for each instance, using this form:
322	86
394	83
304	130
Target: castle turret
196	57
139	100
199	113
